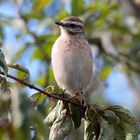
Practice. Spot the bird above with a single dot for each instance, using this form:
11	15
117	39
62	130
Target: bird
71	58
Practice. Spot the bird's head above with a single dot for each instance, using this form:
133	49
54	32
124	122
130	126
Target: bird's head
71	25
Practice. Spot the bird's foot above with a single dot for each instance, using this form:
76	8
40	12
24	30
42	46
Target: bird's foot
80	98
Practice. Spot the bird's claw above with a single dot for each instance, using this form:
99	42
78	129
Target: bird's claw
80	98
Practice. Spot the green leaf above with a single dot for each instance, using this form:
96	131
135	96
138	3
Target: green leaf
51	76
49	89
39	5
77	7
119	132
19	67
127	121
61	126
22	71
44	50
55	113
41	79
76	115
105	72
42	53
38	98
89	131
3	65
93	116
106	131
44	39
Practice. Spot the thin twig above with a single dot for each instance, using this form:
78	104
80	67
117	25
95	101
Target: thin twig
66	100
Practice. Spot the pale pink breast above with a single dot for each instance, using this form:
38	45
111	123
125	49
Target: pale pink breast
72	64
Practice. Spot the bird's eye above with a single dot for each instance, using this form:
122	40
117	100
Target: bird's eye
72	25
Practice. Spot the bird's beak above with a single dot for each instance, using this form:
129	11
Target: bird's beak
60	23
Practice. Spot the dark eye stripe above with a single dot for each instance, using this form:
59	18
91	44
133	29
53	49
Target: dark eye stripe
73	25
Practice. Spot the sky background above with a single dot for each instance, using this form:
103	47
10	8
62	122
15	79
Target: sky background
116	82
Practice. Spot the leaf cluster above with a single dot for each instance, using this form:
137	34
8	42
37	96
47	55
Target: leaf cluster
101	123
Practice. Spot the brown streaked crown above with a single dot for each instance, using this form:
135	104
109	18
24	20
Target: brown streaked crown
72	18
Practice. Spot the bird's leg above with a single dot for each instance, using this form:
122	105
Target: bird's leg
80	97
62	94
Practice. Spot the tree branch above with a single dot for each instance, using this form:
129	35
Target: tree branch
64	99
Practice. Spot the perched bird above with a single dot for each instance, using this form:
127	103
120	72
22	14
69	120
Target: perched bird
72	58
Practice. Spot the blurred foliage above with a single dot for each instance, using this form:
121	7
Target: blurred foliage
112	28
3	63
